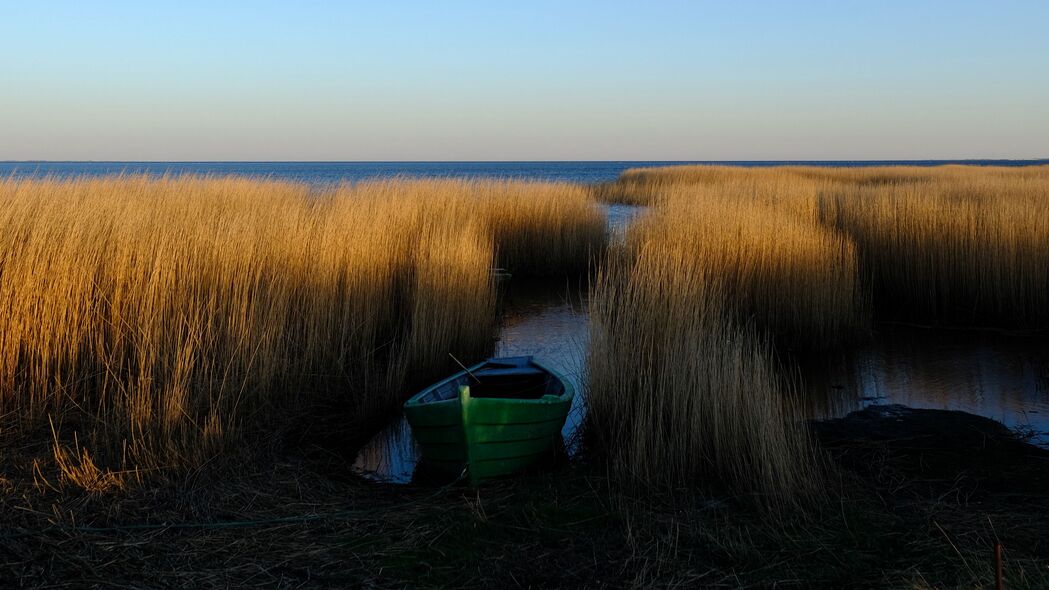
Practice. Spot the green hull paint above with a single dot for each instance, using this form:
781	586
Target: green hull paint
487	436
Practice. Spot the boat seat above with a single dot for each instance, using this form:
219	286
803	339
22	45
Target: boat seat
516	371
517	383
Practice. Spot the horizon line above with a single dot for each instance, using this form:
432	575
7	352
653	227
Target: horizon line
791	160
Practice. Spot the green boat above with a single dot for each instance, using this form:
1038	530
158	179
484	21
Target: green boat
492	419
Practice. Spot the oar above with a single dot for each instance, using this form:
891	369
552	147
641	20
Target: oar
464	367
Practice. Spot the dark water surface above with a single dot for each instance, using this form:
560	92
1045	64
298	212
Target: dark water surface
1002	376
333	172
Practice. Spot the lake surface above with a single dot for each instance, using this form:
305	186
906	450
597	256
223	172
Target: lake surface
1002	376
334	172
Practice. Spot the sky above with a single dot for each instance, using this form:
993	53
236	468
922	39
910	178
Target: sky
536	80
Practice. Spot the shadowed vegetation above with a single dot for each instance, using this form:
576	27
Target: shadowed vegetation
680	394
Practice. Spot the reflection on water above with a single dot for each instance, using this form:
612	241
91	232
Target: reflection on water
391	454
620	216
1003	377
550	323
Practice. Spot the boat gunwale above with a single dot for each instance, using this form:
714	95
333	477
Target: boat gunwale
567	395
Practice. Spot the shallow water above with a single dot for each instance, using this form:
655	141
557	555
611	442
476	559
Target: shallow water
1000	376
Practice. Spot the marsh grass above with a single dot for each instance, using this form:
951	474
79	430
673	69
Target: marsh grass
965	249
945	245
680	393
164	320
775	265
732	266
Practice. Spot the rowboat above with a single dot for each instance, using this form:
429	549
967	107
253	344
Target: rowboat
492	419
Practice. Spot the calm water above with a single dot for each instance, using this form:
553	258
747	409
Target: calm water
1003	377
333	172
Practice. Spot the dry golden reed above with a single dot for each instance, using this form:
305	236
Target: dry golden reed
680	393
166	319
776	266
958	245
684	385
962	248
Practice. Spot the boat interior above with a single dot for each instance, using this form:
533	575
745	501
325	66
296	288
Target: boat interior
504	378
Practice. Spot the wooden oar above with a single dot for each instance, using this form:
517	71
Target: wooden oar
464	367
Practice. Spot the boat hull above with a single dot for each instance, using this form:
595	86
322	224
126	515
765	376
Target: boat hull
484	437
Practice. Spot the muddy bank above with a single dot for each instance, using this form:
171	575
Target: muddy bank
936	449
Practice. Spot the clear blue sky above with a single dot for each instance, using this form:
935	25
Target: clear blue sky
536	80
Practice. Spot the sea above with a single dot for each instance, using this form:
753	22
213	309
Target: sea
335	172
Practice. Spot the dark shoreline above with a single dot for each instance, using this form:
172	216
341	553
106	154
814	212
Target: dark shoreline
920	495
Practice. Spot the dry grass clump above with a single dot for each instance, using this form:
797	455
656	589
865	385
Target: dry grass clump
647	186
680	393
165	319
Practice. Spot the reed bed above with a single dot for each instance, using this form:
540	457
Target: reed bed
957	245
565	231
964	249
682	394
162	320
729	265
778	268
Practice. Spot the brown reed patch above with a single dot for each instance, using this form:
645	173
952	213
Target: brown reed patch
680	393
168	319
967	249
958	245
728	257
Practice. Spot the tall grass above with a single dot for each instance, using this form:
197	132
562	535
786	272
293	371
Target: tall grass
167	319
958	245
685	386
538	228
775	265
729	262
965	249
680	392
